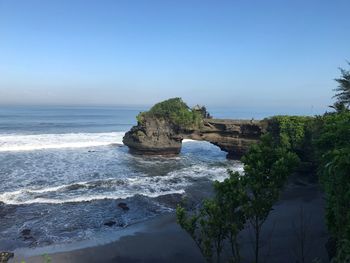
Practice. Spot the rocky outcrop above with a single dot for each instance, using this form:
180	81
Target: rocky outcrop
154	136
231	136
159	136
5	256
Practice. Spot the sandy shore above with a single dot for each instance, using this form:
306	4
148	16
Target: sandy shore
156	240
162	240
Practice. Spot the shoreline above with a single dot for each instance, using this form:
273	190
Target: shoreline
131	244
160	239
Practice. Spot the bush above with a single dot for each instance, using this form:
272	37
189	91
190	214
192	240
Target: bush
174	110
333	147
219	220
296	133
239	199
289	131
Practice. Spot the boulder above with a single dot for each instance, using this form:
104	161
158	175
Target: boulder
110	223
5	256
123	206
26	232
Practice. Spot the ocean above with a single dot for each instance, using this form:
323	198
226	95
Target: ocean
64	170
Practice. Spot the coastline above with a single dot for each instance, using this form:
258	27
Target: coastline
160	239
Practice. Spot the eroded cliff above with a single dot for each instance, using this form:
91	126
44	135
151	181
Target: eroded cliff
160	136
162	129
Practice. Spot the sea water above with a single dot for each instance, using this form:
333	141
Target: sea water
64	170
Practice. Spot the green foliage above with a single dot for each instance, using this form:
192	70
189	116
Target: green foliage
266	166
343	252
332	143
219	219
212	227
232	195
174	110
296	133
322	140
343	90
240	198
339	107
333	147
289	131
47	258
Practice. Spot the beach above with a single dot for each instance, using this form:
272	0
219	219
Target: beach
160	239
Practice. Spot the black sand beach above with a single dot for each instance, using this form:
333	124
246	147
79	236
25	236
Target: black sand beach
162	240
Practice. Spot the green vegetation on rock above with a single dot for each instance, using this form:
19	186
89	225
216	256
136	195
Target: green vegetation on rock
175	111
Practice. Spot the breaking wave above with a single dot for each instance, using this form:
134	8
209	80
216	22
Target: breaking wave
113	188
18	142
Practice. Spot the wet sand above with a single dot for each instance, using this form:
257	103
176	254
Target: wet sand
156	240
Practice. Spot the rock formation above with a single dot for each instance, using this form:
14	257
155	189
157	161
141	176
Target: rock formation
156	135
231	136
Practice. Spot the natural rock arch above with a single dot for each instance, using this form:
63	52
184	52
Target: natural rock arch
161	137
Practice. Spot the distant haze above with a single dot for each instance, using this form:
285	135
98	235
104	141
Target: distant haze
259	54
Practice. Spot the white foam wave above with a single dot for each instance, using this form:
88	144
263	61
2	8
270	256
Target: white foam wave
188	140
150	186
9	198
17	142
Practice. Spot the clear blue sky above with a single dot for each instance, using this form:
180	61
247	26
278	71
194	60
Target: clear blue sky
229	53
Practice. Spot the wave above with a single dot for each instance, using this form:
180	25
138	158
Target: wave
19	142
188	140
8	198
174	182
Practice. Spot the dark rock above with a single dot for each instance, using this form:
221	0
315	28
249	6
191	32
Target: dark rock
110	223
156	135
75	187
26	232
121	224
170	200
5	256
123	206
26	238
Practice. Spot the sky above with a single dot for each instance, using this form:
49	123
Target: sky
268	54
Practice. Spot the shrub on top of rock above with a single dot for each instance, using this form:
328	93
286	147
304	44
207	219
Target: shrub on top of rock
174	110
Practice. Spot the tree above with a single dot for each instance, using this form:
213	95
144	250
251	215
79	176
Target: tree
206	227
266	168
232	195
219	220
339	107
343	90
333	145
